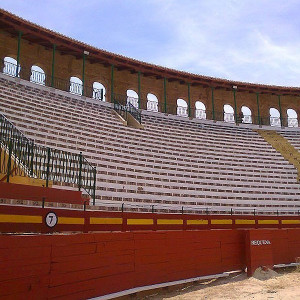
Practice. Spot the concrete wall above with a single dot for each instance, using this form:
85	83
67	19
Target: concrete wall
81	266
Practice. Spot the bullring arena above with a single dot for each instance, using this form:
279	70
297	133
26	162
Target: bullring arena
118	176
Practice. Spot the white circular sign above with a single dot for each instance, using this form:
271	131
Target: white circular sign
51	219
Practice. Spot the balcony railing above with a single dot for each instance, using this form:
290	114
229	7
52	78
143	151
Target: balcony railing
229	118
152	106
19	156
275	121
293	122
182	111
55	82
200	114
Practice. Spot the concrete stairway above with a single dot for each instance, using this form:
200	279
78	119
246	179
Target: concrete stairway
282	145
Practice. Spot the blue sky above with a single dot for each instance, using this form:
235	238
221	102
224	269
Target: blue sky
254	41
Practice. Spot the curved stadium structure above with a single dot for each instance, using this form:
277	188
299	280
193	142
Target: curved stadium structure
194	164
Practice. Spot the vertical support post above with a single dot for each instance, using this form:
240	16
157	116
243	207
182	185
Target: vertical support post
18	53
94	192
258	110
83	71
53	65
31	160
139	88
165	94
48	167
280	111
80	171
10	148
189	99
213	103
112	84
235	106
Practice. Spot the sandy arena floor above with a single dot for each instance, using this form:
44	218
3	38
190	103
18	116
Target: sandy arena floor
284	286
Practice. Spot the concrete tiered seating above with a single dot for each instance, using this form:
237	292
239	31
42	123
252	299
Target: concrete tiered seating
173	162
293	137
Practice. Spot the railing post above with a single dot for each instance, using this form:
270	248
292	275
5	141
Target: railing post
280	111
139	89
48	166
112	84
31	160
80	171
189	99
213	103
83	70
165	94
94	191
10	147
258	111
18	53
53	65
235	106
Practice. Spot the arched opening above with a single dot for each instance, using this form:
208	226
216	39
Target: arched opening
75	86
99	91
133	98
246	115
182	108
200	112
10	66
228	114
152	102
292	118
274	117
37	75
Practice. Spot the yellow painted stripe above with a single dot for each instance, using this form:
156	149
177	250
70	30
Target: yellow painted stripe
169	222
139	221
69	220
197	222
106	221
268	222
221	221
20	219
290	221
244	222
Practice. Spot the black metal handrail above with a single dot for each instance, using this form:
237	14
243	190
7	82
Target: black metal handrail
19	156
134	112
197	210
123	106
9	130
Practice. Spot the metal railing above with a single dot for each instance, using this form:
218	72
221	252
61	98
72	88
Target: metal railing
152	106
182	111
275	121
124	105
200	114
199	209
55	82
19	156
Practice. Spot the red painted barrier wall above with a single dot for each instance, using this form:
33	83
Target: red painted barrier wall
80	266
18	219
37	193
271	247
